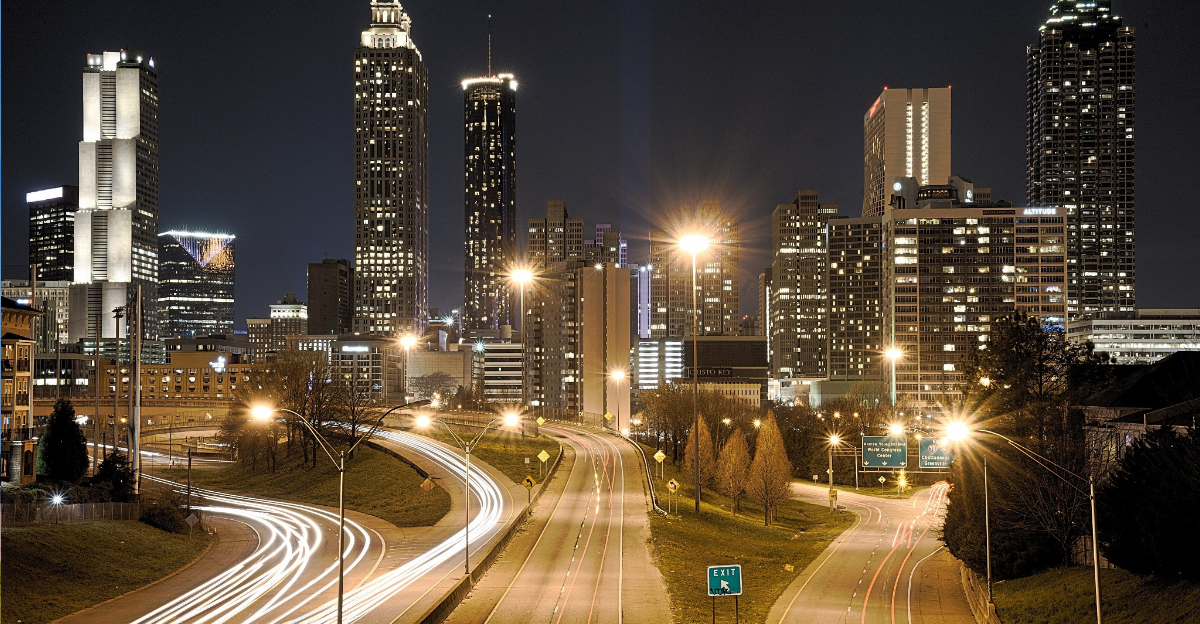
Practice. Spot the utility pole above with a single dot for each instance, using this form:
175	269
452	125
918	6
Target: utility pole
135	394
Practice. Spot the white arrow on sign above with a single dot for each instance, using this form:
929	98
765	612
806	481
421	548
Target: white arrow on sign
725	585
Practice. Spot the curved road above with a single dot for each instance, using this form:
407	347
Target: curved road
888	568
290	573
584	555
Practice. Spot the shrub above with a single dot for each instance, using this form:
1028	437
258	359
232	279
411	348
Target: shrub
164	514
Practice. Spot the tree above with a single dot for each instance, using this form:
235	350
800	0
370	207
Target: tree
62	451
733	469
770	480
1147	508
708	461
117	474
425	386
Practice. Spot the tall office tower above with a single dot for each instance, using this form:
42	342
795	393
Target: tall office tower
856	278
195	284
289	317
116	226
613	242
391	185
52	232
330	303
490	198
716	279
799	289
906	134
639	295
766	288
1080	148
554	238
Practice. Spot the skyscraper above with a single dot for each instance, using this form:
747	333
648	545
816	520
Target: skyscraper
555	237
52	232
799	293
906	133
1080	148
330	307
391	199
195	284
116	226
716	279
490	170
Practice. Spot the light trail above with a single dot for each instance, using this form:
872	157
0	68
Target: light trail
282	577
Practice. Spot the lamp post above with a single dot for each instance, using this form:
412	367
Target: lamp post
618	376
264	413
510	420
959	431
834	440
694	244
521	277
893	353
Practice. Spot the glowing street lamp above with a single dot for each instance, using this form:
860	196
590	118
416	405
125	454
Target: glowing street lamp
265	413
510	420
896	429
522	277
893	354
834	440
695	244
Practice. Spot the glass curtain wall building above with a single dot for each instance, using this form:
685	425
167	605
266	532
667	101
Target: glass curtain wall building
196	284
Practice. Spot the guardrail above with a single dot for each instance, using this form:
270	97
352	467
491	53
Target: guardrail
649	479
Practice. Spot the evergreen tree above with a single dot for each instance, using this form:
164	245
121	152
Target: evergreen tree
116	472
62	451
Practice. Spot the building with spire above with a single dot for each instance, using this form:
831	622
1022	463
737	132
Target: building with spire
1080	148
116	224
489	197
391	184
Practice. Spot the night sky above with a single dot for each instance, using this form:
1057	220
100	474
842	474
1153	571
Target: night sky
627	106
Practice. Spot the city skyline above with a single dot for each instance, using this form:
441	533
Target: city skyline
988	137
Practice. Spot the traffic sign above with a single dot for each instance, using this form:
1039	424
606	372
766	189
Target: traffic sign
192	519
832	494
541	421
885	452
608	416
543	456
427	485
933	454
882	480
528	482
660	456
672	485
725	580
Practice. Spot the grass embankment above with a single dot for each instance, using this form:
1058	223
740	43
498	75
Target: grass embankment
376	483
1067	595
53	570
688	545
878	492
503	450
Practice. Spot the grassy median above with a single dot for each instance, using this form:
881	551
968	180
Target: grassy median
376	483
503	450
687	545
53	570
1067	596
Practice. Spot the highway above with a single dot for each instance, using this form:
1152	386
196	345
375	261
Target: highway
290	572
583	556
888	568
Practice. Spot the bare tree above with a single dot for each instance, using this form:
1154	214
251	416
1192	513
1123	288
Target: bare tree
425	386
708	460
733	468
770	478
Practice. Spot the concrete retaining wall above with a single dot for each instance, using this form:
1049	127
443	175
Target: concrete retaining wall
977	597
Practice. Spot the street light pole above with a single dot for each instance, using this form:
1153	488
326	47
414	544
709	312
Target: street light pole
1095	544
510	420
263	412
987	527
695	384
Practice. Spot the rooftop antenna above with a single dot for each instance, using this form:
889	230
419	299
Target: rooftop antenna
489	45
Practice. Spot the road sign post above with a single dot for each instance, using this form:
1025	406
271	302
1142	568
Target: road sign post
885	452
659	457
528	482
542	456
725	580
933	454
673	486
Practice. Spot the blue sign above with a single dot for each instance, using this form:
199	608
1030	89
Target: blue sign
934	454
885	452
725	580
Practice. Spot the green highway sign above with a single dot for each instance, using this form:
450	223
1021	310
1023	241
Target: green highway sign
933	454
885	452
725	580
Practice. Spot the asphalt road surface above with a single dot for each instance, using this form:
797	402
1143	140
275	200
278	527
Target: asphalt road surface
284	563
888	568
583	556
